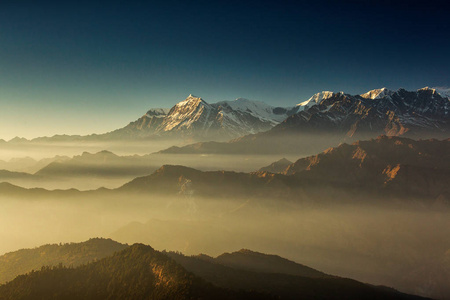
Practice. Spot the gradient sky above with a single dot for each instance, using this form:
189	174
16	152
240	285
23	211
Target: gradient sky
79	67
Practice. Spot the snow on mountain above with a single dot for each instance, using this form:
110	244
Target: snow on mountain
377	93
314	100
194	117
381	111
257	109
393	112
186	114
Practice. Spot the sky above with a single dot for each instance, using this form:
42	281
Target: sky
81	67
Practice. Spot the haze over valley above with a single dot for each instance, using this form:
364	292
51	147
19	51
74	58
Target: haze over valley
348	211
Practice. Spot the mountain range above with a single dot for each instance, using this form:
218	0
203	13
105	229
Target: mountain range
195	118
421	113
330	118
28	164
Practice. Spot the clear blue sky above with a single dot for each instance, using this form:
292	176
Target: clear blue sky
79	67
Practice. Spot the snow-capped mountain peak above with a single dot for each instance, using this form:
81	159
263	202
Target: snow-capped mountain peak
191	100
186	113
314	100
194	117
377	93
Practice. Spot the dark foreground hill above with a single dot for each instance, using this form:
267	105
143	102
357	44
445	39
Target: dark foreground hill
140	272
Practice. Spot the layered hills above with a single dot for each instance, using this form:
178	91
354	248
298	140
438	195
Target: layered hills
376	172
28	164
85	171
100	164
385	164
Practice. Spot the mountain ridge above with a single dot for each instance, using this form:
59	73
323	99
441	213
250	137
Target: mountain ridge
368	165
224	119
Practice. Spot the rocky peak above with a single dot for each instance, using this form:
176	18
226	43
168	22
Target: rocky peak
377	93
315	99
191	100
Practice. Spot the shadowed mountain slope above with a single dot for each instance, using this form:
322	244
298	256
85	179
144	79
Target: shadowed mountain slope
276	167
274	275
392	163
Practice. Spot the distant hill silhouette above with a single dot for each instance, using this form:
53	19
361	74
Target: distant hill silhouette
101	164
383	166
276	167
